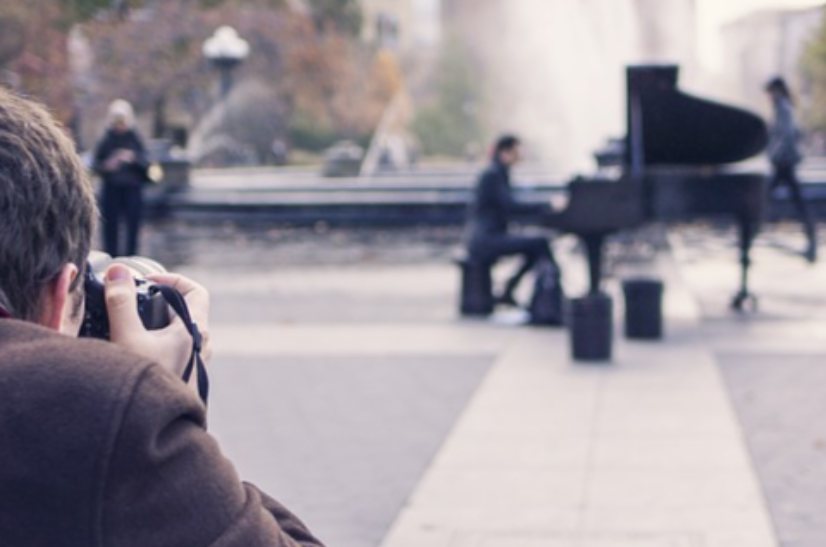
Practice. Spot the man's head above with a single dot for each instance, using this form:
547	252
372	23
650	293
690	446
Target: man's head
47	216
121	116
506	150
776	87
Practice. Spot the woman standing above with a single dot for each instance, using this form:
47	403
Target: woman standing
120	160
784	154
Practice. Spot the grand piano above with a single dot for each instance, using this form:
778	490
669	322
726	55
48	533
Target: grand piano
676	164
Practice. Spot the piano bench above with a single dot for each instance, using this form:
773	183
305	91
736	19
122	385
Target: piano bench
476	297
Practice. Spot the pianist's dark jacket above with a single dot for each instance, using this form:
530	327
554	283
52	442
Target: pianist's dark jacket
493	206
99	447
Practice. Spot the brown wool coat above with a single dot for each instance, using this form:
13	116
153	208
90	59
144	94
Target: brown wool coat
101	448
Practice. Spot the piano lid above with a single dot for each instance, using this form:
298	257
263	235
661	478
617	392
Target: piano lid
679	129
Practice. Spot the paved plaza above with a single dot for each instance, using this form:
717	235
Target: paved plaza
346	385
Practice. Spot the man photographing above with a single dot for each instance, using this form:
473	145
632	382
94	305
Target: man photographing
102	443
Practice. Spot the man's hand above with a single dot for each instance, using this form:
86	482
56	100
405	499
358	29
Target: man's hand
171	346
125	155
111	164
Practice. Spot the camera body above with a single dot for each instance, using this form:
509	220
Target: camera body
152	307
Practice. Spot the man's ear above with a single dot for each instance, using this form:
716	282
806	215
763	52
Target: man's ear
56	298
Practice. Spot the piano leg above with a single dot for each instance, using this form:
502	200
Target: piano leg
748	231
593	244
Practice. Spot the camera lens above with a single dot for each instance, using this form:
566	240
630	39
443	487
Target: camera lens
140	265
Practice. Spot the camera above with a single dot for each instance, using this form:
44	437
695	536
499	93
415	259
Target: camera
152	307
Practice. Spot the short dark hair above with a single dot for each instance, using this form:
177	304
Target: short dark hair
505	143
47	206
779	85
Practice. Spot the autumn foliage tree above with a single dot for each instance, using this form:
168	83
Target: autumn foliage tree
327	83
342	15
321	76
33	48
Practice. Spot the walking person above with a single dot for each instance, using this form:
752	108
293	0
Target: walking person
785	155
491	211
120	160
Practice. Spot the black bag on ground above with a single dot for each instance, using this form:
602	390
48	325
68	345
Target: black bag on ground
548	300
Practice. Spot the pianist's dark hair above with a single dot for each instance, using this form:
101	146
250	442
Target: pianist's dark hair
779	84
505	143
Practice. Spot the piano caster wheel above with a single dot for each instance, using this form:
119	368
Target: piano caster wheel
743	302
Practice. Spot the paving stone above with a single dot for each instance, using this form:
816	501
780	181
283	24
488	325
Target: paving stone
342	441
780	400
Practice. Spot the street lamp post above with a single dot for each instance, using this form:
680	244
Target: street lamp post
226	50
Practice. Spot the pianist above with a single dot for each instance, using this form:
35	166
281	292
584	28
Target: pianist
491	209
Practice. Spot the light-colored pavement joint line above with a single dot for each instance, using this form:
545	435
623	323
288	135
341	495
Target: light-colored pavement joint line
590	459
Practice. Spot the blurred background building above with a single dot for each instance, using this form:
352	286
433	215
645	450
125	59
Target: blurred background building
767	42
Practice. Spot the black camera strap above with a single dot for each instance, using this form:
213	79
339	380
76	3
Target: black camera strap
178	304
